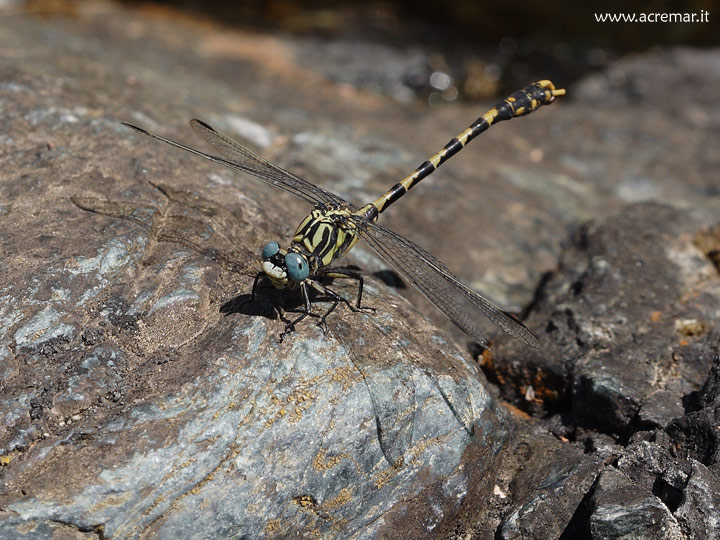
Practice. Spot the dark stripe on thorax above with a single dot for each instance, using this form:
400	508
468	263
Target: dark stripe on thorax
327	238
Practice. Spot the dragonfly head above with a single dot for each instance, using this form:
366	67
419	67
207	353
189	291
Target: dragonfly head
284	268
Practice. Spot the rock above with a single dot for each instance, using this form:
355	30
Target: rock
622	510
549	484
615	301
142	395
698	509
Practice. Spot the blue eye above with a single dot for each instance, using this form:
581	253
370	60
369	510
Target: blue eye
270	249
297	267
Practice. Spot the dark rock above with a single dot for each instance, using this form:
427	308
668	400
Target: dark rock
699	505
710	392
550	480
647	458
92	336
695	435
615	303
623	510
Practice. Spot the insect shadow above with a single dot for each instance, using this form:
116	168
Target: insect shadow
390	278
184	218
392	374
267	301
245	304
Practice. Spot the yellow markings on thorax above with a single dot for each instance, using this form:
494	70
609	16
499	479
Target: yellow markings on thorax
322	234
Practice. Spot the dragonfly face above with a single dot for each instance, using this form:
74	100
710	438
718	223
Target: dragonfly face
324	235
285	269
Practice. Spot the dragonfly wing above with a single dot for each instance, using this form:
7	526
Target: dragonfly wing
188	219
239	158
261	168
390	384
434	280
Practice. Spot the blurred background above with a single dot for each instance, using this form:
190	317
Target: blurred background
444	51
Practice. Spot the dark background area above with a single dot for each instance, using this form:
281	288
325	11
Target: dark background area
488	48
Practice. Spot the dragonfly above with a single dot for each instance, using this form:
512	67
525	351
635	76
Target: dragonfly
334	226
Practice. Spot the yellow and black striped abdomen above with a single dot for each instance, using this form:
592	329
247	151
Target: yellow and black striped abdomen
519	103
327	234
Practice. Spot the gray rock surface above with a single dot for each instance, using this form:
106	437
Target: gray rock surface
141	396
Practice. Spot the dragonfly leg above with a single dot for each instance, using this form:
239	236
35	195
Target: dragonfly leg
350	273
336	299
254	289
290	326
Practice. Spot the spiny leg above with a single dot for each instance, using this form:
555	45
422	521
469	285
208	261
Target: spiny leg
332	294
345	272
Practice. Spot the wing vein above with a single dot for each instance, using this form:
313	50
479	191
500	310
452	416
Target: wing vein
433	279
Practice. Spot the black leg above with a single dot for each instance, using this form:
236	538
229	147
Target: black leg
332	294
335	298
290	327
254	289
349	273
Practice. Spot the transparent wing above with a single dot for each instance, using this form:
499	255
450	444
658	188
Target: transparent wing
462	305
391	374
241	159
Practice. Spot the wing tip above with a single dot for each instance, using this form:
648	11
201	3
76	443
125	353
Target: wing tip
526	336
195	122
136	128
533	341
522	332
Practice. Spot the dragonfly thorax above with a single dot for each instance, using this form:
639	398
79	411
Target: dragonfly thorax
328	232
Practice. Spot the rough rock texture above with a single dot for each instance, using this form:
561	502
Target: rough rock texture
142	396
